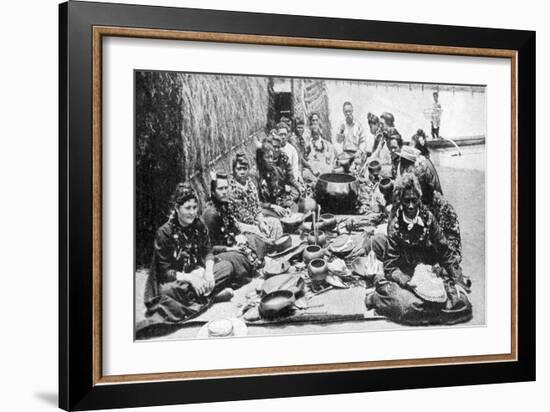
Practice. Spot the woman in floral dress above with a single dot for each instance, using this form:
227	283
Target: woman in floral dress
246	202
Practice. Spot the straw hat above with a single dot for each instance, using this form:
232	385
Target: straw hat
427	285
295	241
409	153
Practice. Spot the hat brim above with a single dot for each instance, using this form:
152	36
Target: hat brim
296	242
406	157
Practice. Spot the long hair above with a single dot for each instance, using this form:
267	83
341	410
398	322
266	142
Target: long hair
424	151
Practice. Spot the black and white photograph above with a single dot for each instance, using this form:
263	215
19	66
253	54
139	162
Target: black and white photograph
289	205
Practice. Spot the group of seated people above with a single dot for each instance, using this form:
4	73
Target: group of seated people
196	256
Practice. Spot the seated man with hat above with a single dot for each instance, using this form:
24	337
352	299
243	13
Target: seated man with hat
434	293
411	160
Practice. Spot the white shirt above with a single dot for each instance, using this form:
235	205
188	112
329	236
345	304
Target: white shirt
292	155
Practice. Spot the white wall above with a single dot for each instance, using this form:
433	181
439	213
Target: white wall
28	170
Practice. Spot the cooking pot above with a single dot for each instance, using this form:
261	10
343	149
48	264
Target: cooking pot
317	270
312	252
321	238
337	193
328	221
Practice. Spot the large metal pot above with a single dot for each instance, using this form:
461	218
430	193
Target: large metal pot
337	193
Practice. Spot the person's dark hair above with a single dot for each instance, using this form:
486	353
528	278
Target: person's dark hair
310	117
426	181
388	118
267	147
424	151
214	182
406	181
282	125
298	121
286	120
373	119
347	103
184	192
240	159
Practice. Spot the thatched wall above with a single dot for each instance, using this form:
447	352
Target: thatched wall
187	124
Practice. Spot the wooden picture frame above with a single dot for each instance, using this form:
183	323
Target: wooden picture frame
82	27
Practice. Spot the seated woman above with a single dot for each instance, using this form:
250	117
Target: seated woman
415	238
418	141
244	252
184	274
246	203
279	189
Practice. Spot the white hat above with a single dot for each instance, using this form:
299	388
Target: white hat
223	328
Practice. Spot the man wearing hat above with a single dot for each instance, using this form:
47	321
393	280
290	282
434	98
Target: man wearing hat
411	161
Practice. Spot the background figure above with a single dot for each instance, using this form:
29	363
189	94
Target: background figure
418	141
289	150
351	134
278	189
436	115
321	155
